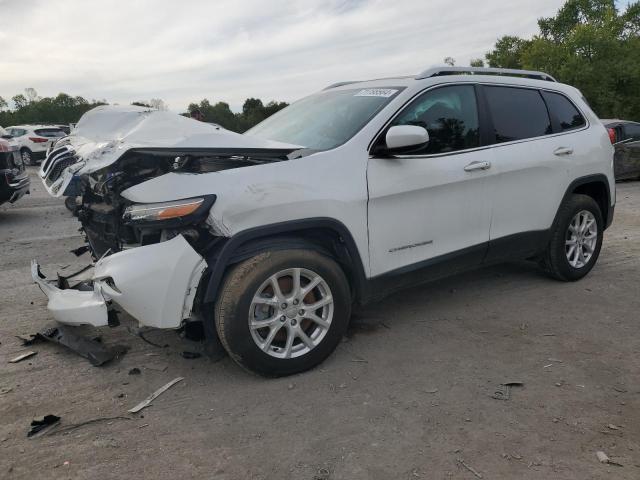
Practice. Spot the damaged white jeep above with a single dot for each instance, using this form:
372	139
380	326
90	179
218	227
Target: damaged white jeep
364	188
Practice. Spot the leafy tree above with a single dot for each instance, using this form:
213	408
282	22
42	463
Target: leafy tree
141	104
449	61
3	104
476	62
253	112
589	44
20	101
507	53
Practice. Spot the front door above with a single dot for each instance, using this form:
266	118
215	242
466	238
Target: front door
432	204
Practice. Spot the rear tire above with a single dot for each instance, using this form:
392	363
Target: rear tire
263	290
576	239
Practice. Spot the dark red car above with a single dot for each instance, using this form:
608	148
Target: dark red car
625	136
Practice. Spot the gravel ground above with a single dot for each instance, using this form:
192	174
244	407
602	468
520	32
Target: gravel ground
407	395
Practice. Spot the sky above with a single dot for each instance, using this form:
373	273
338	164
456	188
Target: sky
228	50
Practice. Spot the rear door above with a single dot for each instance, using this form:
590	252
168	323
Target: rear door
531	158
432	205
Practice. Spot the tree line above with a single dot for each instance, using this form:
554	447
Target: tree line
28	107
590	44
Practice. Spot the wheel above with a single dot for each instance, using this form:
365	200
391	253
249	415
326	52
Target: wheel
283	312
27	157
576	239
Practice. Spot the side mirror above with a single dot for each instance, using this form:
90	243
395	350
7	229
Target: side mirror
401	138
7	137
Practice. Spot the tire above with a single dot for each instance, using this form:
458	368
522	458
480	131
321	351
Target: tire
559	260
251	280
27	156
71	204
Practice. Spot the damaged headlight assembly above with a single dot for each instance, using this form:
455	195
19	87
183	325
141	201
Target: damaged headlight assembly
172	214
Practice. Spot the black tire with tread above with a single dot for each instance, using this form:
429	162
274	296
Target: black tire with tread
234	299
555	261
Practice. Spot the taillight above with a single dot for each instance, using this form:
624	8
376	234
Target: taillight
38	139
612	135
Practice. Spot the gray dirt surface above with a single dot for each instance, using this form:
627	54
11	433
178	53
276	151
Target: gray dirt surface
407	395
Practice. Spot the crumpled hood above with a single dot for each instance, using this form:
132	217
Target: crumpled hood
105	133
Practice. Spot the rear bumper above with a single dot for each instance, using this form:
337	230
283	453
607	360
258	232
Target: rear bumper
13	187
155	284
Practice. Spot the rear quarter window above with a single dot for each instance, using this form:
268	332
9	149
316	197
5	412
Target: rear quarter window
567	116
516	113
49	132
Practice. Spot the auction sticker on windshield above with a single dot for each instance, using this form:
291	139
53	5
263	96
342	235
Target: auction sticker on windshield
376	92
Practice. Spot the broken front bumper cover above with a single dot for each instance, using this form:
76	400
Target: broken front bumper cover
155	284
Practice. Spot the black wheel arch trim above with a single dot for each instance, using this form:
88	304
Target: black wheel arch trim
595	178
232	250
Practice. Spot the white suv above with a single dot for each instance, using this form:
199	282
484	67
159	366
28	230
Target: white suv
342	198
34	140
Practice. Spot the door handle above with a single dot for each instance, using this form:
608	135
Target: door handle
563	151
477	166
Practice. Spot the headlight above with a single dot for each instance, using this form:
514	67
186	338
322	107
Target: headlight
174	213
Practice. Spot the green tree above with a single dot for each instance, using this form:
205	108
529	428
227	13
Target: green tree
476	62
589	44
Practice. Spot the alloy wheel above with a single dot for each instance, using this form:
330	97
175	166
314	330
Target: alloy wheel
291	313
581	239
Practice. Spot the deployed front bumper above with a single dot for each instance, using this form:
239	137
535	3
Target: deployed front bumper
155	284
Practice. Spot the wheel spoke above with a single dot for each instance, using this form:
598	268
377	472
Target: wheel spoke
315	281
271	301
276	288
316	319
321	303
571	241
272	333
295	289
289	345
257	324
305	338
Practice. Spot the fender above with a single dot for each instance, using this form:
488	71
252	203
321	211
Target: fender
232	251
609	209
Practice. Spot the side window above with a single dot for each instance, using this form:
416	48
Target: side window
564	111
632	131
517	113
450	115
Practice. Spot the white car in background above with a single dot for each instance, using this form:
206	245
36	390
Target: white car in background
34	140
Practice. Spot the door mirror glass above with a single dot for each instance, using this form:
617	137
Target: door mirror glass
402	138
7	136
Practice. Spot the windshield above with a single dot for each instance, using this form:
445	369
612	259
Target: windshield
325	120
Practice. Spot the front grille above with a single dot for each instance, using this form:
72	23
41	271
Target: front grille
59	167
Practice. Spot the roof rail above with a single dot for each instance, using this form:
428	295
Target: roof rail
341	84
439	71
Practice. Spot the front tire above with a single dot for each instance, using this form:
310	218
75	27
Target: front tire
576	239
283	312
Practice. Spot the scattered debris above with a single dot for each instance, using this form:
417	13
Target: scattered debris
135	371
140	333
620	389
146	402
190	355
73	426
504	390
547	366
548	334
603	458
613	427
359	360
471	469
28	340
80	250
291	386
96	352
156	368
39	424
433	390
4	390
23	356
143	425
